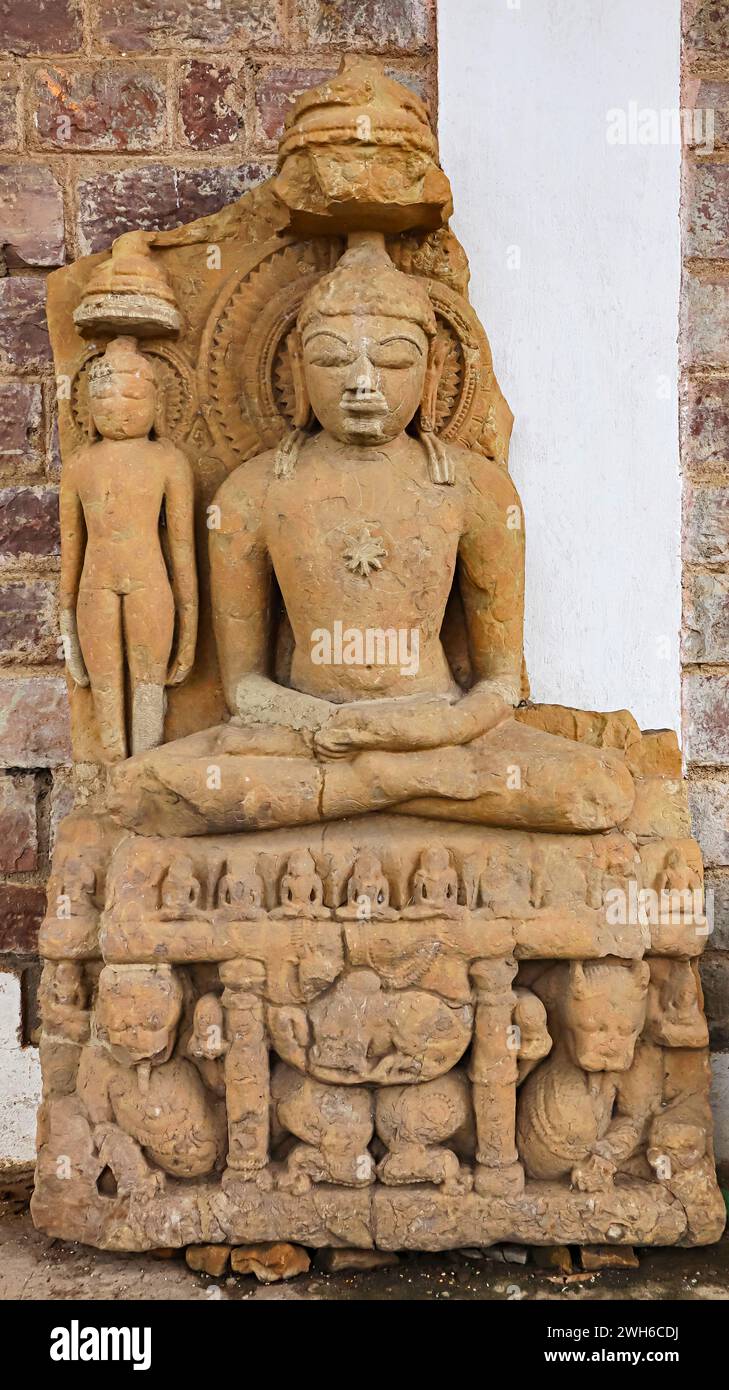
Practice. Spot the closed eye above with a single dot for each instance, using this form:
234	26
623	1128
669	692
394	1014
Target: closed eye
396	352
334	358
325	349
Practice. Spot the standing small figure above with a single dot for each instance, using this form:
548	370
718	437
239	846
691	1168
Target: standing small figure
119	604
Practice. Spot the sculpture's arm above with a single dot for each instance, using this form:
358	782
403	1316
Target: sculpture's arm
635	1094
240	577
73	547
491	582
180	510
635	1102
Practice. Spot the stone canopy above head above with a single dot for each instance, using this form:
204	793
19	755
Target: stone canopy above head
358	152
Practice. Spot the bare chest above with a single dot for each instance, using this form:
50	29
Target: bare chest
122	489
370	546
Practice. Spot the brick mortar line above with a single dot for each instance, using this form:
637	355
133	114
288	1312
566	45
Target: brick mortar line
705	668
705	567
710	69
311	54
706	265
700	373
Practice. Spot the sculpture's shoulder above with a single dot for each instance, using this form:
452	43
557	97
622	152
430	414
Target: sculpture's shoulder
242	497
173	459
486	483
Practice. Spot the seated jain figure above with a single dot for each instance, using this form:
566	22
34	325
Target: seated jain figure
365	524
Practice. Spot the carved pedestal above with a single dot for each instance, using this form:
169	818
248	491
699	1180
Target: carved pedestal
392	1072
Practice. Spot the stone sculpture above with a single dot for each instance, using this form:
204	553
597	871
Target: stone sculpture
358	947
119	604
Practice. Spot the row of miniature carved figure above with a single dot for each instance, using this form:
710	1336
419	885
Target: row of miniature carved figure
608	1058
435	886
500	882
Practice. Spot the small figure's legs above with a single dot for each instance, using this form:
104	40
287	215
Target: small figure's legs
148	716
98	615
334	1124
413	1121
149	623
123	1155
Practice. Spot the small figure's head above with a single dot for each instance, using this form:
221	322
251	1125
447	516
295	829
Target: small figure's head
181	870
67	984
604	1013
122	391
364	350
534	1041
435	861
207	1040
675	1013
301	864
137	1012
368	867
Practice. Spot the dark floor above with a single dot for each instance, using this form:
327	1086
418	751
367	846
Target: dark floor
32	1266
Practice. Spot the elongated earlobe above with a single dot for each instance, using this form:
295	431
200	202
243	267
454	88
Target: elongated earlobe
436	358
440	465
158	424
302	404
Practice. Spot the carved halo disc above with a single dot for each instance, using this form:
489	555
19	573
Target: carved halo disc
176	397
245	376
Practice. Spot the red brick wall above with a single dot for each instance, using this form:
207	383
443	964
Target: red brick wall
704	343
117	114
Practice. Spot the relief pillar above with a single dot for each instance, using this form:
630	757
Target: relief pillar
492	1072
246	1066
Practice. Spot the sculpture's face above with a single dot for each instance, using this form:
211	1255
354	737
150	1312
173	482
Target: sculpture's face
364	375
122	404
604	1019
607	1043
139	1016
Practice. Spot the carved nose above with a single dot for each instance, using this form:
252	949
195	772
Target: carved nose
363	383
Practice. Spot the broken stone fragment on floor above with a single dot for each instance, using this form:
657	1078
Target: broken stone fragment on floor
595	1257
271	1262
552	1257
208	1259
515	1254
336	1261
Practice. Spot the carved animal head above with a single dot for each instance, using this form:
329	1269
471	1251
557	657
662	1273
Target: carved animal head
604	1011
137	1012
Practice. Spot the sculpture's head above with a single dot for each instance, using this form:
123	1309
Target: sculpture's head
137	1012
67	984
122	391
604	1013
364	352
